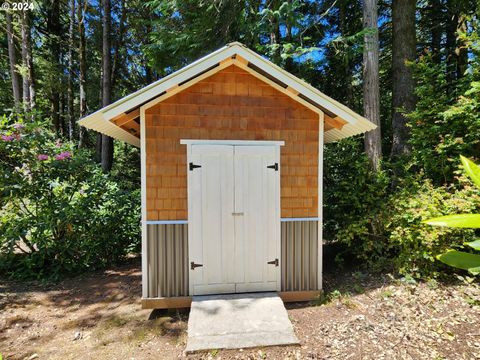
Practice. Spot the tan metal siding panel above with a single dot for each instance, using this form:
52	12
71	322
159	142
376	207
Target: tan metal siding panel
299	249
167	256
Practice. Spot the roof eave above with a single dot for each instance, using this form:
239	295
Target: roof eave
100	120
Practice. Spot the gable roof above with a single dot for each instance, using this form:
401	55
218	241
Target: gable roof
349	123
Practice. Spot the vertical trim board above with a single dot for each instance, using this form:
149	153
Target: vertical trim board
143	192
320	198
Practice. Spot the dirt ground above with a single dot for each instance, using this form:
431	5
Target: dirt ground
98	316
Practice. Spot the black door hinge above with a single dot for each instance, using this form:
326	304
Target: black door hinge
273	262
192	166
274	166
193	265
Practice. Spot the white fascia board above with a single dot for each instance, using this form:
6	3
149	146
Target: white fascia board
148	89
299	85
96	122
150	92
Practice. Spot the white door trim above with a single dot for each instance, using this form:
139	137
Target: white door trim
231	142
191	236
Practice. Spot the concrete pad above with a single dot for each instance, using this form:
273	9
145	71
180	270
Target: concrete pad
237	321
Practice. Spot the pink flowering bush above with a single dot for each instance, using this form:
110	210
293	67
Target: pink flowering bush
64	155
59	213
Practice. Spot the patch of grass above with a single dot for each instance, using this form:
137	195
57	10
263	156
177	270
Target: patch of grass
115	322
432	284
213	352
139	334
17	319
358	288
471	300
408	280
335	295
261	355
385	294
348	302
156	327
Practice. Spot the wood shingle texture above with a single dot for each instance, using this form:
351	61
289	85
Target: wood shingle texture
230	105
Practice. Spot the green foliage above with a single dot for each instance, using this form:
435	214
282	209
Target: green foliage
402	241
59	213
188	29
351	190
417	244
472	170
473	244
460	259
456	221
443	128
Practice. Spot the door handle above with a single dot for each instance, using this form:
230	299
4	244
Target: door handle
237	213
273	262
193	265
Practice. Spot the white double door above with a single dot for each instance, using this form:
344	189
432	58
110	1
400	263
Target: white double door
234	218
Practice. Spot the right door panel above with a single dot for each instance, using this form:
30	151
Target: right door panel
256	218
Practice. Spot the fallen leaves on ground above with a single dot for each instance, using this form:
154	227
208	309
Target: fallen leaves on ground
362	316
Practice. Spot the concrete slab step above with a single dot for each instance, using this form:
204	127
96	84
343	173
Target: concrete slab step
235	321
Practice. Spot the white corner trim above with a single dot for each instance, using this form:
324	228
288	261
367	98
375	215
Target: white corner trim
143	176
231	142
320	200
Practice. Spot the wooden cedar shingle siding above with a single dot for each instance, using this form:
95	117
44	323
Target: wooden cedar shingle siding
230	105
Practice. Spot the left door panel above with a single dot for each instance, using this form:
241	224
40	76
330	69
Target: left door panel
211	201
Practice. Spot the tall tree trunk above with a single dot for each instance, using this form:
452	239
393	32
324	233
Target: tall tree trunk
451	29
107	141
349	97
404	50
436	32
81	9
54	32
149	76
371	83
118	44
12	59
29	60
273	5
99	137
70	110
25	44
461	50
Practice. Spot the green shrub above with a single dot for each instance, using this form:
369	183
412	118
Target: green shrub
351	189
59	213
461	259
402	241
415	244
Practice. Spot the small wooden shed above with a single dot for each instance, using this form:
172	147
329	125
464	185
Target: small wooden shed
231	163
